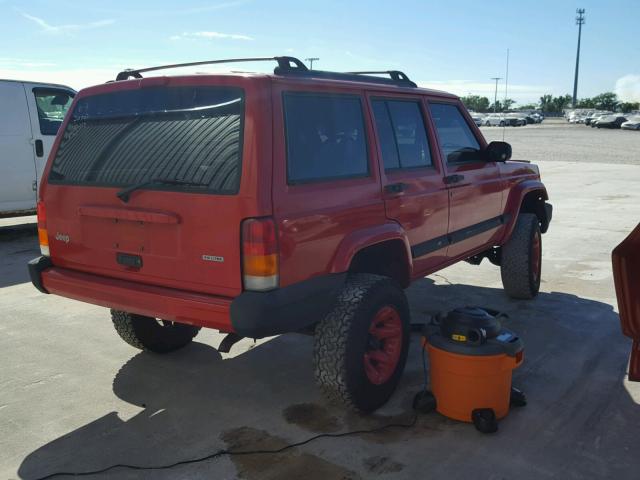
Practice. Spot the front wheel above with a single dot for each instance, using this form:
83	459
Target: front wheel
521	258
502	124
360	347
147	333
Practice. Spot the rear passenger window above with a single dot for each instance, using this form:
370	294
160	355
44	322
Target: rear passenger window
325	137
457	142
402	134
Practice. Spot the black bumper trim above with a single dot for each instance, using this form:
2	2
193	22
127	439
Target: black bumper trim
287	309
36	267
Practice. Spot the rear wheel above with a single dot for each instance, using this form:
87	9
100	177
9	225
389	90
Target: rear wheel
360	348
147	333
521	258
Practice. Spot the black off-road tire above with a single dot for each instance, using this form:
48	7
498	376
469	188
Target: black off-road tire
342	338
520	276
147	333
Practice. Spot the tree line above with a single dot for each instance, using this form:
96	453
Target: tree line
549	103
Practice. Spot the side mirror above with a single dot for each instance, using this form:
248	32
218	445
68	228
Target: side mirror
498	152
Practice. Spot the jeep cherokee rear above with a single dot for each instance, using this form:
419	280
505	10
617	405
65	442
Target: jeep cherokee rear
265	204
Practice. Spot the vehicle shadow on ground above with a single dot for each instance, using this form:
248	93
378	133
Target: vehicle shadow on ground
18	245
193	402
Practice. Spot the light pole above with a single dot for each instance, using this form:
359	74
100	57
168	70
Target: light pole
495	96
311	60
579	21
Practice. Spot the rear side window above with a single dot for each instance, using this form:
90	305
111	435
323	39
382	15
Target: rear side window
325	137
457	142
402	134
52	106
190	135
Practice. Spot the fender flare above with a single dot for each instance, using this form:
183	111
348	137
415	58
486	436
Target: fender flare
355	241
514	203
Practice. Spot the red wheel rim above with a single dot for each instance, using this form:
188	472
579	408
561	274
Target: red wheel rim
384	346
536	256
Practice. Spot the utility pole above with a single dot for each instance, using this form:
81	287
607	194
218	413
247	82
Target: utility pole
579	21
495	97
311	60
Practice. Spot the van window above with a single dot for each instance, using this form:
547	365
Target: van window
402	134
52	106
183	134
457	142
325	137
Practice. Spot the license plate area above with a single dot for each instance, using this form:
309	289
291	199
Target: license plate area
129	260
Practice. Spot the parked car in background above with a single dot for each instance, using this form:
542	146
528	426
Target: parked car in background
611	121
30	116
597	118
633	123
494	120
477	118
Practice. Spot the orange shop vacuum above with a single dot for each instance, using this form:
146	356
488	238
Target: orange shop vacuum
471	359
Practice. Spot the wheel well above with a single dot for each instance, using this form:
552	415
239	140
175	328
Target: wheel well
533	202
387	258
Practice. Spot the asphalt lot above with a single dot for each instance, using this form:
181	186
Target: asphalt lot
555	139
74	397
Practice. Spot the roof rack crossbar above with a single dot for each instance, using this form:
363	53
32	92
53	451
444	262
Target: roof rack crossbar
284	64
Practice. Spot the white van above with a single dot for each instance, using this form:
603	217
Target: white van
30	115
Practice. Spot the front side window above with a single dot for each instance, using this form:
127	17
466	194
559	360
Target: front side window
457	142
325	137
402	134
52	106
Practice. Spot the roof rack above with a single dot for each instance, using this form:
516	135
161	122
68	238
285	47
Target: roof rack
284	64
289	66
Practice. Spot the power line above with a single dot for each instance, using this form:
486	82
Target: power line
579	21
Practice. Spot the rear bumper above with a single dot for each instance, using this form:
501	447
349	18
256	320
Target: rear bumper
251	314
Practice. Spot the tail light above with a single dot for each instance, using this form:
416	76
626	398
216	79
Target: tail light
43	237
259	254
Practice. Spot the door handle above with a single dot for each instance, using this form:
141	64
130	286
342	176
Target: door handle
39	148
455	178
395	188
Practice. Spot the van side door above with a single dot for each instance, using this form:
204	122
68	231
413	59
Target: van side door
412	185
47	108
17	168
474	185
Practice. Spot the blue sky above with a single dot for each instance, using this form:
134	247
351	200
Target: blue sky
456	46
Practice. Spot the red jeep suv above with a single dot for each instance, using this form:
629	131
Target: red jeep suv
302	201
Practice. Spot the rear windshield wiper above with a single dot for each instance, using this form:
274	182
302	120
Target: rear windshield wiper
125	193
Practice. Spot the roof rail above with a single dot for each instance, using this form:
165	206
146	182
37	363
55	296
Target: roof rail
395	75
285	64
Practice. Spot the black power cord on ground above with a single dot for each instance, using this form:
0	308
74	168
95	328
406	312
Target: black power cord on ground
224	452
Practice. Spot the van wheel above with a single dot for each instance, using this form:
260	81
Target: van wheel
521	258
147	333
360	347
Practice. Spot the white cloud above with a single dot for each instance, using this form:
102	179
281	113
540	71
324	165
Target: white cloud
211	36
628	88
62	29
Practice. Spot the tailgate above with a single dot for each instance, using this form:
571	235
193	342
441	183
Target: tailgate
181	148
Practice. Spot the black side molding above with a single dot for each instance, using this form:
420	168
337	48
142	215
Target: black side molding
437	243
36	267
